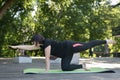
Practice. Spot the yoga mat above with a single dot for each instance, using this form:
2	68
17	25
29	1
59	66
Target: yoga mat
42	71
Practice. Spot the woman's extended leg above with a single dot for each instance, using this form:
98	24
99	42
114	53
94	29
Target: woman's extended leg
88	45
66	66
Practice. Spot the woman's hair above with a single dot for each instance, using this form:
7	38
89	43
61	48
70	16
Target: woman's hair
37	38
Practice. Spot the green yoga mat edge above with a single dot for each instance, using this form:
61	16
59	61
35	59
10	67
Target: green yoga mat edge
57	71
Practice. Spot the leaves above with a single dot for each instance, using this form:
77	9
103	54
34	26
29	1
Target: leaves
79	20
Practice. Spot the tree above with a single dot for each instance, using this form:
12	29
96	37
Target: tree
5	5
79	20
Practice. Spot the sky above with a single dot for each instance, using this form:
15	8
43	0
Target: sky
114	2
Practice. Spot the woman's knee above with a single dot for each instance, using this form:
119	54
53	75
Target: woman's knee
65	68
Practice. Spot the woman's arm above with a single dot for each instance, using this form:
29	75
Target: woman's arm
47	57
25	47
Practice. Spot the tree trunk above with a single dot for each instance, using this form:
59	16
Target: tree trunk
3	9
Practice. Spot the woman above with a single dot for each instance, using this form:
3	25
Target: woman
64	50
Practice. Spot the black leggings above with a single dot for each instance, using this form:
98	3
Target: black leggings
65	63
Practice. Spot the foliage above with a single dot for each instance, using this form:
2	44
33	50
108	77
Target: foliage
79	20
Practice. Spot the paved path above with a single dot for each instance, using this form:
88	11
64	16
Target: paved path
109	63
14	71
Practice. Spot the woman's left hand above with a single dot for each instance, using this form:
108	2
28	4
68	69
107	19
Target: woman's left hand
13	47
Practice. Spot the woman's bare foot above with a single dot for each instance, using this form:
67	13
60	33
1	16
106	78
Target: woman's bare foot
111	41
85	67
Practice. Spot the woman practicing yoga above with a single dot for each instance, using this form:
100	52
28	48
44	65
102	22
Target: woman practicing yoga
64	50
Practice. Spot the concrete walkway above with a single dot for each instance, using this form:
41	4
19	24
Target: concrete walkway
9	70
109	63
